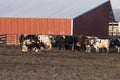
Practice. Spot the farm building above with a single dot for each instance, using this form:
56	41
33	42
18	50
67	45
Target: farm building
54	17
114	25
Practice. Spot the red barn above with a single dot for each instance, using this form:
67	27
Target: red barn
55	17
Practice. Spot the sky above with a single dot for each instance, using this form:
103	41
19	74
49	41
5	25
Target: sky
47	8
50	8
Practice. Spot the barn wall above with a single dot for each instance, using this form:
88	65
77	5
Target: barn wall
35	26
94	22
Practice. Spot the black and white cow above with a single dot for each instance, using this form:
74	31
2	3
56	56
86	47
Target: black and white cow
69	42
29	43
115	44
34	42
100	44
58	41
45	41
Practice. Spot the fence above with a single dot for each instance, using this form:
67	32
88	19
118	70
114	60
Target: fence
3	39
8	39
12	39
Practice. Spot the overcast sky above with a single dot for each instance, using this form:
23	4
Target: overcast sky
51	8
47	8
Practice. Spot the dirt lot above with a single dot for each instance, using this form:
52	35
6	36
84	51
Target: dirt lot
58	65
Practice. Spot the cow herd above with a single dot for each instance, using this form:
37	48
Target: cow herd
35	43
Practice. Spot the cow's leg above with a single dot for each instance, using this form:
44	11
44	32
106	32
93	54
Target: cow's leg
73	46
97	50
88	49
118	49
107	50
83	47
48	47
59	46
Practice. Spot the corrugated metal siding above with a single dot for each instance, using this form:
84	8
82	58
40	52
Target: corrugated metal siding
53	26
93	23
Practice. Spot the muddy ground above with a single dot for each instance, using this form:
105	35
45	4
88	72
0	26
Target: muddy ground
58	65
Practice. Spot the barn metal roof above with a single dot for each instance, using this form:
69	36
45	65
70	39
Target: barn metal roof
116	9
47	8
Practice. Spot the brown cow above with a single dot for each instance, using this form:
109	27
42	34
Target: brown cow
83	42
